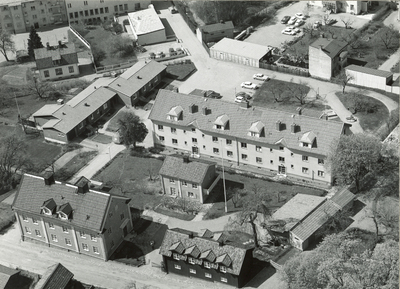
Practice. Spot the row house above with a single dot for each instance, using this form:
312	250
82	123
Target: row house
206	256
274	142
71	217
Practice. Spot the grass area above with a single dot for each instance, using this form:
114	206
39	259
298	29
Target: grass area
75	165
7	217
174	214
180	71
370	120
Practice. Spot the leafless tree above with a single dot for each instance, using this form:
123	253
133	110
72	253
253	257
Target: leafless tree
39	88
235	194
6	43
388	35
298	92
325	19
347	22
278	93
343	79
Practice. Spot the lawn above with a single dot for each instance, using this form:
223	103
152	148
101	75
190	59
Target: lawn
75	165
369	121
7	217
180	71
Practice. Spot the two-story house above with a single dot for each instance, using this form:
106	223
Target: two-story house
270	141
351	7
56	62
188	178
206	256
71	217
327	57
215	32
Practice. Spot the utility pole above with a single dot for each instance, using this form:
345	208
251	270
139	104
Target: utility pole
223	176
19	113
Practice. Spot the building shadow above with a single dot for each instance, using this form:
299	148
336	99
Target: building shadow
169	32
86	69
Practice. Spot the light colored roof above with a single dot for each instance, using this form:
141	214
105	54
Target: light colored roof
47	110
217	27
368	70
308	137
175	111
145	21
297	208
245	49
56	277
221	120
241	119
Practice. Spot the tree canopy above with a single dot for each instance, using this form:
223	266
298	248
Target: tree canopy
6	43
34	41
131	129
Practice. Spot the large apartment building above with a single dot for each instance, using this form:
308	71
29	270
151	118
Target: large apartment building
91	11
71	217
19	16
269	141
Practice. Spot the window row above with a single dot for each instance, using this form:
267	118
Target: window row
91	12
206	274
172	192
59	71
184	183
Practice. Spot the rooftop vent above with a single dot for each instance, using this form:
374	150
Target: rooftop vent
86	104
83	185
186	159
60	101
206	111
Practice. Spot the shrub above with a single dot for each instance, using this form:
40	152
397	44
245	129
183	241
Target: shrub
156	150
98	55
381	13
213	215
72	146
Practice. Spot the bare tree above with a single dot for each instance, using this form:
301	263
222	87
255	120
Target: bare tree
298	92
278	93
343	79
39	88
388	35
347	22
235	194
308	28
6	43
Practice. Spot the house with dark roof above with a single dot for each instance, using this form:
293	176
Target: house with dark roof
71	216
55	277
8	277
188	178
56	62
206	256
215	32
269	141
327	57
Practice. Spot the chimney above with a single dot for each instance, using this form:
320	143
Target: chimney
193	108
186	159
86	104
60	101
278	125
294	128
244	104
59	44
299	109
48	178
83	185
48	45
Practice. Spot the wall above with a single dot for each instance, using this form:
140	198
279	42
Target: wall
152	37
368	80
221	55
53	135
217	35
65	70
353	7
181	189
320	64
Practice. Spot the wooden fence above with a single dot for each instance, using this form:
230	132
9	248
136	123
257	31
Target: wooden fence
107	68
286	69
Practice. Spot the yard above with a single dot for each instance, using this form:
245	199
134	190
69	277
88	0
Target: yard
7	217
75	165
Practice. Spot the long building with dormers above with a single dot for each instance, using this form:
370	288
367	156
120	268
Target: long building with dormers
272	141
71	217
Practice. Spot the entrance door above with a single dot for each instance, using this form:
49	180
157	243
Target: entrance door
282	170
125	231
36	24
195	150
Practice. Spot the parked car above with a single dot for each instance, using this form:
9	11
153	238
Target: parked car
249	85
295	29
240	99
330	21
160	55
179	51
244	95
288	31
292	20
152	55
172	52
299	22
300	16
260	76
285	19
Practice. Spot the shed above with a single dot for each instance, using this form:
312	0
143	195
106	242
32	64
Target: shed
369	77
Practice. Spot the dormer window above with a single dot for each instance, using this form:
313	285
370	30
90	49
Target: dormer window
175	113
222	122
48	207
306	145
256	129
46	211
308	140
62	216
65	211
218	126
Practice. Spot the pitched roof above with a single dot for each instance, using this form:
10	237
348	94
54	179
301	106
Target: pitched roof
47	110
241	120
5	274
330	47
137	76
342	198
67	54
145	21
194	171
89	209
368	70
217	27
245	49
209	248
56	277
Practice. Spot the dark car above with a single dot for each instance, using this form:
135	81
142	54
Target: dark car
285	19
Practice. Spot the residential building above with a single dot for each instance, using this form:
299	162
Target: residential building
241	52
327	57
269	141
187	178
147	27
71	217
19	16
92	11
138	81
352	7
56	62
57	277
8	277
215	32
206	256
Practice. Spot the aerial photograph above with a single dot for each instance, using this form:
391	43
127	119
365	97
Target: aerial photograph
198	144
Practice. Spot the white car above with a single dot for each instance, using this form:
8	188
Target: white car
288	31
300	16
292	21
240	99
260	76
294	29
299	22
249	85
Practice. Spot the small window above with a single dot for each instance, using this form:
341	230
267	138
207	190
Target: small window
223	279
125	6
91	12
172	181
76	14
115	8
258	160
96	250
35	221
109	230
194	140
177	267
68	242
304	170
191	195
321	161
192	271
96	11
69	5
306	145
172	191
218	126
243	145
25	218
65	229
160	127
216	150
229	142
161	138
174	141
85	3
229	153
184	183
222	269
106	9
271	162
122	216
33	8
112	244
194	186
120	7
291	154
51	226
28	230
208	275
321	174
259	149
85	247
215	139
244	157
173	130
71	69
54	238
271	150
281	148
93	238
82	234
34	16
282	159
37	232
101	10
292	166
59	71
193	130
191	261
304	158
207	264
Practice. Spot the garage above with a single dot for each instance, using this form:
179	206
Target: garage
236	51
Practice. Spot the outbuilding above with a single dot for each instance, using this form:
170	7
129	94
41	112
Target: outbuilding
369	77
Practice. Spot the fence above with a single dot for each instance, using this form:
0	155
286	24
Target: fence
80	37
101	69
286	69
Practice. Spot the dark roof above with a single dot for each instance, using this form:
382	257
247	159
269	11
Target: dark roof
371	71
330	47
217	27
56	277
194	171
67	54
89	209
5	274
241	119
235	253
343	197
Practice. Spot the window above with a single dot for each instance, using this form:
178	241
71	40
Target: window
33	8
207	264
172	181
37	232
35	221
258	160
218	126
91	12
184	183
243	145
191	195
173	130
65	229
259	149
229	142
172	191
93	238
122	216
71	69
282	159
271	162
28	230
291	154
101	10
68	242
59	71
86	13
85	3
137	6
244	157
194	186
15	7
95	250
115	8
215	139
161	138
192	271
34	16
321	174
51	226
160	127
222	269
292	166
175	256
321	161
223	279
305	144
125	6
193	130
174	141
229	153
85	247
71	15
191	260
194	140
208	275
216	150
106	9
25	218
281	148
120	7
101	1
304	170
54	238
177	267
82	234
69	5
271	150
304	158
96	11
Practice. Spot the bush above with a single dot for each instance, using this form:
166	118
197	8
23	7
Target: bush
72	146
98	55
380	15
156	150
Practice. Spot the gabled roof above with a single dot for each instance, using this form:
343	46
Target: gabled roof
343	197
193	251
137	76
256	127
66	54
368	70
308	137
56	277
210	249
331	47
89	209
241	119
221	120
193	172
145	21
175	111
217	27
5	274
245	49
